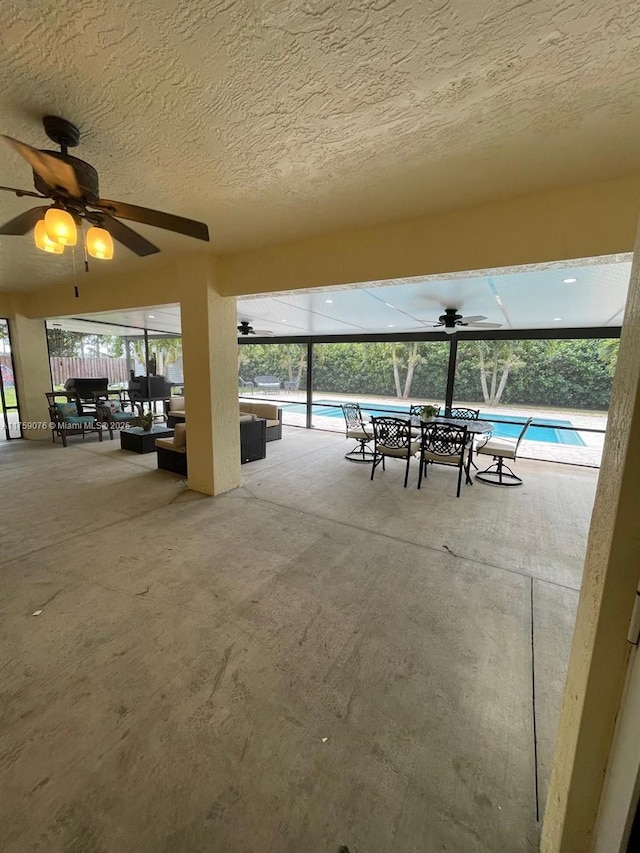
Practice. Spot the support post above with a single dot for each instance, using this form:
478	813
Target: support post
310	384
210	358
32	374
451	374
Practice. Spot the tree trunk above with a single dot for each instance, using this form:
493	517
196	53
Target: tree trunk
503	382
396	373
413	360
483	376
494	379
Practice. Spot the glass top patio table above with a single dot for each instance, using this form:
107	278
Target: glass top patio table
473	427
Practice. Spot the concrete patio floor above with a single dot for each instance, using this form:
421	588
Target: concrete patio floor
311	660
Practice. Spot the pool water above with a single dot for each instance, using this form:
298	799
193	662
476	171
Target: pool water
511	429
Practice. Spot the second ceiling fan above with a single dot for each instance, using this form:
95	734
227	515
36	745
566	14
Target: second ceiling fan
451	320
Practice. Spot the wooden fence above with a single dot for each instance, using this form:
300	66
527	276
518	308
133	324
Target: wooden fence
62	368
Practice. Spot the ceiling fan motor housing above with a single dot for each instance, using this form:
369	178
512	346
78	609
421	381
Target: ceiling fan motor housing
450	318
86	175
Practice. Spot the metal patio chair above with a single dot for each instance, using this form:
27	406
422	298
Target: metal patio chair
392	438
499	474
356	428
444	444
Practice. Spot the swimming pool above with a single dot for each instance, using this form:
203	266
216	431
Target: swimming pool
510	429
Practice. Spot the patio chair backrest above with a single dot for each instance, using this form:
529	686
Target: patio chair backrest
464	414
353	416
521	436
443	439
393	433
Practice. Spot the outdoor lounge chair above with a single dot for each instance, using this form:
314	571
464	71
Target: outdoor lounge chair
67	417
117	411
268	384
499	474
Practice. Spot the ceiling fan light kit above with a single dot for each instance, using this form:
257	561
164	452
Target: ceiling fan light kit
42	239
72	185
99	243
60	227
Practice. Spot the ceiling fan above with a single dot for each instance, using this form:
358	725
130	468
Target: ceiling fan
451	319
245	328
72	186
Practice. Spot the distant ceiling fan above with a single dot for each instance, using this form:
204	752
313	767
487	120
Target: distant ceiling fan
245	328
72	185
451	319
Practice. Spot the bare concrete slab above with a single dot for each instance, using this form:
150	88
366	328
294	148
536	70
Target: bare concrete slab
239	674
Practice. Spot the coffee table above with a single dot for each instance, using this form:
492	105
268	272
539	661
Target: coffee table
140	440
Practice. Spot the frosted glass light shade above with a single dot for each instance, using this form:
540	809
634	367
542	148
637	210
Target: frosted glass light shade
60	227
99	243
43	242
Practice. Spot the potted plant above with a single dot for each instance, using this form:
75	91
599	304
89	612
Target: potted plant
146	421
429	412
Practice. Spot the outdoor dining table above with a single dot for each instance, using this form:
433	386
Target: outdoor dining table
473	428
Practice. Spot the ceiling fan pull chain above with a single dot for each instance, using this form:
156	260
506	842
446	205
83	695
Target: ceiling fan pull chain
76	292
86	257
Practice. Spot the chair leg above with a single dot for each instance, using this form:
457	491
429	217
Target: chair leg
373	466
406	472
499	474
420	471
460	467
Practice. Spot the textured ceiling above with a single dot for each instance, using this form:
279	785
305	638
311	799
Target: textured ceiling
280	118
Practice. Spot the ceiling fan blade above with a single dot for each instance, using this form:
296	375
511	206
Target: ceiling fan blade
23	223
473	319
156	218
486	325
263	333
20	193
54	172
138	244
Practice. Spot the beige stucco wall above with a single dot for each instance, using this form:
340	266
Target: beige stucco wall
600	650
580	222
586	221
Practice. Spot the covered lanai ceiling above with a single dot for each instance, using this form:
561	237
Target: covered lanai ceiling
280	119
584	295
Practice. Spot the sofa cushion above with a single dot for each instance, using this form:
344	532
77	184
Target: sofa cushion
180	436
246	417
261	410
167	444
176	404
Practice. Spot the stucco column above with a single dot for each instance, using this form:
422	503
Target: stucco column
600	650
210	361
33	374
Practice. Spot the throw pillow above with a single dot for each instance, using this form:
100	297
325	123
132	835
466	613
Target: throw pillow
113	406
67	410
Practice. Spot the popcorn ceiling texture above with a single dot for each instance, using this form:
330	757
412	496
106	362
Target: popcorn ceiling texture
281	118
